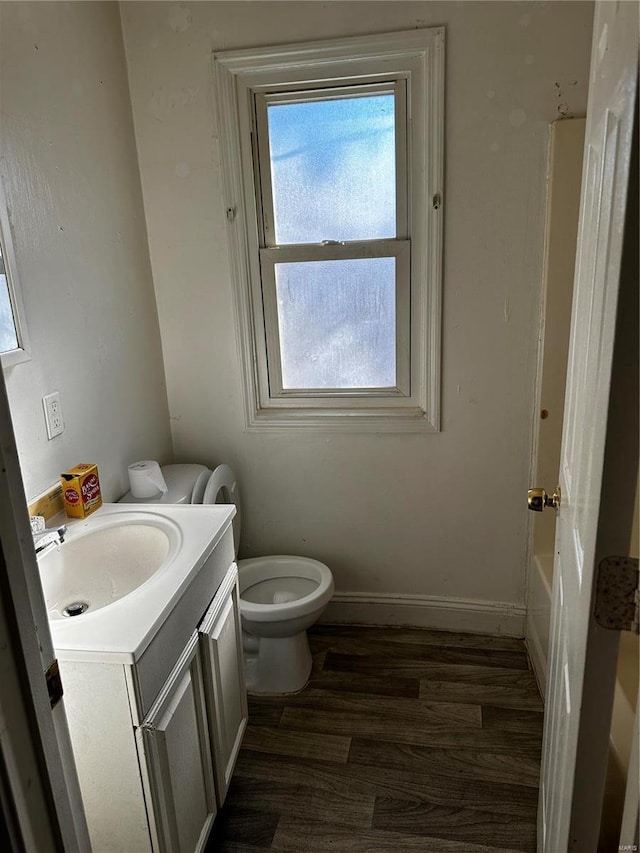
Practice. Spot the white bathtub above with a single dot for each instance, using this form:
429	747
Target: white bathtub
539	615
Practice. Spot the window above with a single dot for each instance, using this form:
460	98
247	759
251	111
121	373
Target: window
13	333
332	168
8	331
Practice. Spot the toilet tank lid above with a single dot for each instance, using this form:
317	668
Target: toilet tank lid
180	479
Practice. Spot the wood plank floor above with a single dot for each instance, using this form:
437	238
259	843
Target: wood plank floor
403	740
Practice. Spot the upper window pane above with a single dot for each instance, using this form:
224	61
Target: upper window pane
8	334
333	169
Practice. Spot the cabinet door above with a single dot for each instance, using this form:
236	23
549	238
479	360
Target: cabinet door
177	771
224	679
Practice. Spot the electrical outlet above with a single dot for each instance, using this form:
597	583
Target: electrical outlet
53	414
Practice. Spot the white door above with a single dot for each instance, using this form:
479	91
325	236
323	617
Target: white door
583	655
177	771
221	638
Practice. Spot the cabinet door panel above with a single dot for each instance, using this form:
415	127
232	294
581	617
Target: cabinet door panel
176	747
154	667
224	679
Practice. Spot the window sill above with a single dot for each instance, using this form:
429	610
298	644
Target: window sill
341	420
13	357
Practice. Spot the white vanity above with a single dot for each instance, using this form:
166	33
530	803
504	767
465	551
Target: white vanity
152	676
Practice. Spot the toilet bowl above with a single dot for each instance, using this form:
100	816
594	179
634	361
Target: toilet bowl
280	598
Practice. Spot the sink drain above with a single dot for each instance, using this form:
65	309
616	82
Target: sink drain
75	609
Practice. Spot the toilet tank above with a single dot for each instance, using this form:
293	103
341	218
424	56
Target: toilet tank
185	484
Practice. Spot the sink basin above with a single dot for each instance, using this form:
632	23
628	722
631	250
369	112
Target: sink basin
124	570
105	562
108	560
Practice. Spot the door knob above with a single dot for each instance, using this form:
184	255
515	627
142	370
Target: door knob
538	499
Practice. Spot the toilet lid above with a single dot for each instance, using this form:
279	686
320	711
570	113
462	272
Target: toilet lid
223	488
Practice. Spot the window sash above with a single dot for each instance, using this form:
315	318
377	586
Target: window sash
262	154
269	257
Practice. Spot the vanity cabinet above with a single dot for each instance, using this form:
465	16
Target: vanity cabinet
153	771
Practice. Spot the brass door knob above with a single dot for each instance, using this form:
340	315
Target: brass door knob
538	499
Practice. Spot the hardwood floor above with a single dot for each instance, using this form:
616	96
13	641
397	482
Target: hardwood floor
403	740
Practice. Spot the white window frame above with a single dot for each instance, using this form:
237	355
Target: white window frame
415	61
22	352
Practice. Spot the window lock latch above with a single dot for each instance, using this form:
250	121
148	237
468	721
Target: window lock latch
332	243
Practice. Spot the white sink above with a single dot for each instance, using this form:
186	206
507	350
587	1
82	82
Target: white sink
107	561
130	564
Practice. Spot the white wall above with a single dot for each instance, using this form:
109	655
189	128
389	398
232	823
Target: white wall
70	174
441	515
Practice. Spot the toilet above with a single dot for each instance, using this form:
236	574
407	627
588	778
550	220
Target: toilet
280	598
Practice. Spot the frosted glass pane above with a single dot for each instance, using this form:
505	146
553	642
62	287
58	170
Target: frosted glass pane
8	336
333	169
337	322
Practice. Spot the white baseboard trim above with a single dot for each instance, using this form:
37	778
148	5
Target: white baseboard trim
426	611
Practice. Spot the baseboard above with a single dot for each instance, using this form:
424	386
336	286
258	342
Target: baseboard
426	611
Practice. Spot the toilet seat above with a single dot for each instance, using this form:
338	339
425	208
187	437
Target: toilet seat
199	486
224	478
257	570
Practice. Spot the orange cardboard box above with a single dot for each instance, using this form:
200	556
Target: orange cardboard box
81	490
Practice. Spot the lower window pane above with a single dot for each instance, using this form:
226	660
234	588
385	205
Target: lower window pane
337	323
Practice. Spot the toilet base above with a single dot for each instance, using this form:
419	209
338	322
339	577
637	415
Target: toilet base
278	665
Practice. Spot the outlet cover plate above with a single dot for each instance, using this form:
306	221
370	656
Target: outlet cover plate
53	414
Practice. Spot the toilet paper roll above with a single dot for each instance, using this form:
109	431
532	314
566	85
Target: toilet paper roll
146	480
